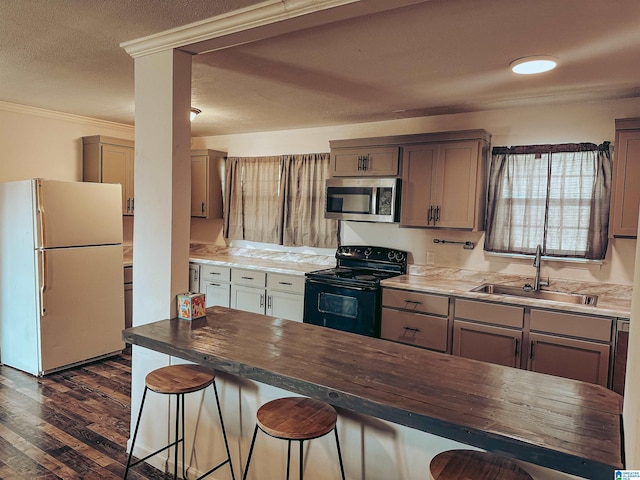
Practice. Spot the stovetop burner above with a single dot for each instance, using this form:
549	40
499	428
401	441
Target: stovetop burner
363	265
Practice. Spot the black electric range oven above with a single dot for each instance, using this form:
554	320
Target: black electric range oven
349	297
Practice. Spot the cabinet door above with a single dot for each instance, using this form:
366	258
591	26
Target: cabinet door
626	194
289	306
455	185
217	294
115	169
418	171
365	161
199	177
487	343
249	299
569	358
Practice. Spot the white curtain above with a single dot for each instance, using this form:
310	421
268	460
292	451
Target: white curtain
554	195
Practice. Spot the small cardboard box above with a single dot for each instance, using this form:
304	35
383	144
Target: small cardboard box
191	305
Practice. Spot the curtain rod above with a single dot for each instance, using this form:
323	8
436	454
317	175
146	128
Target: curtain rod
550	148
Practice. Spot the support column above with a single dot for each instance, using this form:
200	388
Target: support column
162	180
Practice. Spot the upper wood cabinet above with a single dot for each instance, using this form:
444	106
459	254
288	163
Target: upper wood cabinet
364	157
625	196
206	183
444	183
110	160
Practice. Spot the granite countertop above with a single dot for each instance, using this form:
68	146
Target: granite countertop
613	300
255	259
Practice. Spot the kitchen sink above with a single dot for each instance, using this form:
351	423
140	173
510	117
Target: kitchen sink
576	298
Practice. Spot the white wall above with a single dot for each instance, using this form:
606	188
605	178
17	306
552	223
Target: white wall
46	144
586	122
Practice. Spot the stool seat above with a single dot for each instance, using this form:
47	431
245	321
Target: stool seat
474	465
296	418
178	379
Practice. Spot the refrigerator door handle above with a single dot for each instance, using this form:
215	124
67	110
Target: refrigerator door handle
40	213
42	267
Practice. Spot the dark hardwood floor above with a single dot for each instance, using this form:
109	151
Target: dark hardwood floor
68	425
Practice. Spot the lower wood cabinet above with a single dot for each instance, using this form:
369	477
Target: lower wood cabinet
553	342
274	294
415	318
215	283
488	332
285	296
571	345
487	343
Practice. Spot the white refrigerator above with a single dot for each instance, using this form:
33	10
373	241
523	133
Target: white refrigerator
61	273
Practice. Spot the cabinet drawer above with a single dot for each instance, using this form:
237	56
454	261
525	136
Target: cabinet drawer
415	301
252	278
215	273
285	283
415	329
593	328
505	315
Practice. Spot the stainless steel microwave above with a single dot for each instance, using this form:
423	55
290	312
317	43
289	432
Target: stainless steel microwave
362	199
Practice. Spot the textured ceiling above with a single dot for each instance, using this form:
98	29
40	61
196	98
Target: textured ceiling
440	56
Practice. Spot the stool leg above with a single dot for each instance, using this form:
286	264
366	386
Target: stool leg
301	459
335	429
184	461
175	452
288	457
253	441
224	432
135	434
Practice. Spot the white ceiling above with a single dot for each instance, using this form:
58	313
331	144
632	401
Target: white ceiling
436	57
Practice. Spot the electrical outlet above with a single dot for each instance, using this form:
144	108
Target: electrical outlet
431	258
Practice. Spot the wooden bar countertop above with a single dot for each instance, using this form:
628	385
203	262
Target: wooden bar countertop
562	424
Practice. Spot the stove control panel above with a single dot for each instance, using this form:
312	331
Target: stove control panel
376	254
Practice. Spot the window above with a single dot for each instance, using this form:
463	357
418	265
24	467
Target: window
556	196
278	200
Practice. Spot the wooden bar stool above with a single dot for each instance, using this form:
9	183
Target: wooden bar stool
178	380
295	418
474	465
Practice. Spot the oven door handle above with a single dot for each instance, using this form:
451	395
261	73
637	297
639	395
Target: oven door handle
342	285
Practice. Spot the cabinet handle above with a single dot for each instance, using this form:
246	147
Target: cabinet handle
531	350
261	301
132	205
128	205
214	284
285	283
412	329
195	275
412	303
215	273
360	163
430	215
365	162
269	302
437	214
515	354
202	207
247	278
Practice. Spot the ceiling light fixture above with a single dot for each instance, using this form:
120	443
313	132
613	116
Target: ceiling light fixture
194	112
534	64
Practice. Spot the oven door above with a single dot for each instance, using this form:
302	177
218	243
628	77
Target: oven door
347	308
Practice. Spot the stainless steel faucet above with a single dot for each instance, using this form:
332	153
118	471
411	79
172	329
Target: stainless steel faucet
537	261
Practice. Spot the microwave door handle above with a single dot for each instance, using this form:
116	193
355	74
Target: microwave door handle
373	209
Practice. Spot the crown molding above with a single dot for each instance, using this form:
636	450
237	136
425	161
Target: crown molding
68	117
256	22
